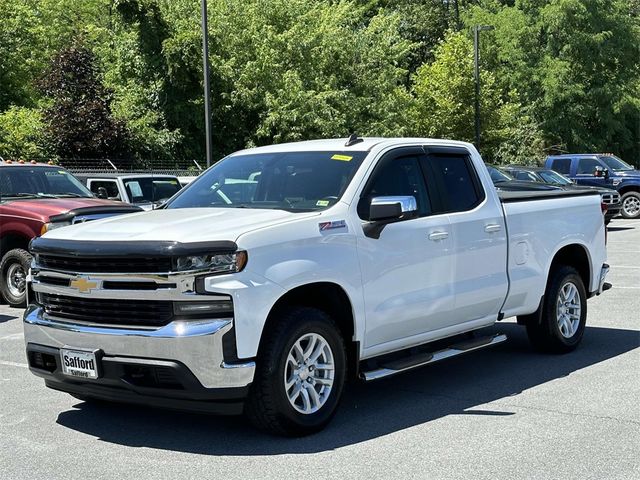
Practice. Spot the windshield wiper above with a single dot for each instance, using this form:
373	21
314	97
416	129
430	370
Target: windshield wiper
69	194
25	195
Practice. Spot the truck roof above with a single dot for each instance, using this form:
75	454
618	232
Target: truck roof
31	163
338	144
578	155
122	175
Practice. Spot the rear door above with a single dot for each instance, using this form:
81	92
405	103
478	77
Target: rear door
478	235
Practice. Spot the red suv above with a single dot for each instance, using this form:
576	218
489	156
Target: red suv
36	198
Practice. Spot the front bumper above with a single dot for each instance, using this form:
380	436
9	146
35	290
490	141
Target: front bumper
180	365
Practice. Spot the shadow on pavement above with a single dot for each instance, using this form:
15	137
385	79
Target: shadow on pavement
619	229
367	411
6	318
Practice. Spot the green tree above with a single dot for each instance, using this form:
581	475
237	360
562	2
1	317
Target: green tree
21	132
78	122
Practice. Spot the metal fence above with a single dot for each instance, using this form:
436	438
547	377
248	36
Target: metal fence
123	166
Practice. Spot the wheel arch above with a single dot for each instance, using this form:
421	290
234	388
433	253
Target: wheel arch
332	299
574	255
629	188
12	240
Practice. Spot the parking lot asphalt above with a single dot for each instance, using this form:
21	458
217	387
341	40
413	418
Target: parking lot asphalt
502	413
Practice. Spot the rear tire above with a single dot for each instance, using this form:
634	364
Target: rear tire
14	268
560	326
300	374
630	205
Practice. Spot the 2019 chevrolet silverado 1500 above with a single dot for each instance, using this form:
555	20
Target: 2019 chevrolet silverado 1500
284	270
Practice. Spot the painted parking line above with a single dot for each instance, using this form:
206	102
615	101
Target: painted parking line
13	364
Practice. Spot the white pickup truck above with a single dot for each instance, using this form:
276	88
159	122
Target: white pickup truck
283	271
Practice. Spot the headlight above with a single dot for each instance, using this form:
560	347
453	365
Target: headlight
50	226
216	263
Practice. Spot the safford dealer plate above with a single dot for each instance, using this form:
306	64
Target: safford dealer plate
79	363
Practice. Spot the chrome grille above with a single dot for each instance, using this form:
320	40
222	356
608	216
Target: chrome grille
611	198
140	313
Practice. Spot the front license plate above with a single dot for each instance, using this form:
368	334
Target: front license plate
79	363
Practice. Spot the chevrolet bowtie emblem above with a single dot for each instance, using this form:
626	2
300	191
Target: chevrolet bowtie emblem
84	285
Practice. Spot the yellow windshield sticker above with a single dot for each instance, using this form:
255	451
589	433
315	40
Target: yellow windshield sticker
342	158
322	203
61	172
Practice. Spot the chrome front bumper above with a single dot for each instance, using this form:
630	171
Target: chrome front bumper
197	344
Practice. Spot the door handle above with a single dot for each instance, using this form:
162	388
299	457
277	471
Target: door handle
435	236
492	227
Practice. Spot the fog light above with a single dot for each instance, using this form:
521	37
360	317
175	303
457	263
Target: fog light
203	308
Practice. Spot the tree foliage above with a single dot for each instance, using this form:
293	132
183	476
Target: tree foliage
78	120
556	74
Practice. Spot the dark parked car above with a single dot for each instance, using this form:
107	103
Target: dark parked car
602	169
610	197
505	182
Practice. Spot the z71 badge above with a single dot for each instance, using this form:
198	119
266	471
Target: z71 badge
332	225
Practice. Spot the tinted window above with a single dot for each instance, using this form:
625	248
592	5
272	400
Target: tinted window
586	166
614	163
109	185
457	181
40	181
524	175
562	165
148	189
498	176
396	177
294	181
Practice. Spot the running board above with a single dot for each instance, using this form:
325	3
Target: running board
421	359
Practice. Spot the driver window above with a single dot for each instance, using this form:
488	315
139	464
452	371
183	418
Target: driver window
586	166
397	177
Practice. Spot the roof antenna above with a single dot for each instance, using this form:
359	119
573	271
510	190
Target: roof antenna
352	140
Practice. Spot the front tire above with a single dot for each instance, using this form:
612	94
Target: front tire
14	268
564	313
300	374
630	205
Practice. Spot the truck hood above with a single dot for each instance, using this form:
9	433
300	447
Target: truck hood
627	174
184	225
45	208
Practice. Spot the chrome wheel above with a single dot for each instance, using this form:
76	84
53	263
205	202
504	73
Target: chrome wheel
568	309
16	280
309	373
631	206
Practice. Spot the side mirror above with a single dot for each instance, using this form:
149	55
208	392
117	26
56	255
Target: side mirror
102	193
385	210
600	172
392	208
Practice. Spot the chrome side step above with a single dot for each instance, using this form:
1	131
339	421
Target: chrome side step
402	365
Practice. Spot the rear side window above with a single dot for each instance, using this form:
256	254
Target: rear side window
586	166
457	182
561	165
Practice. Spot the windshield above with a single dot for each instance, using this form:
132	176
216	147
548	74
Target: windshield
498	176
551	176
614	163
293	181
32	182
151	189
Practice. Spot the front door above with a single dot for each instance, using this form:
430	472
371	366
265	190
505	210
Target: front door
408	271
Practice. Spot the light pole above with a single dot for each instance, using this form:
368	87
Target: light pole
476	75
207	93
